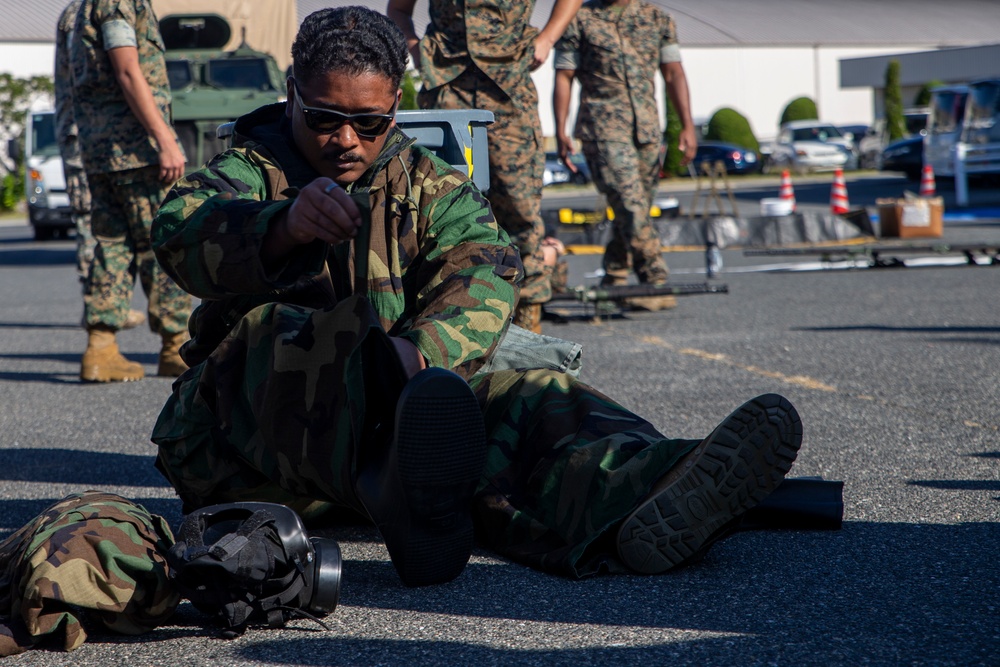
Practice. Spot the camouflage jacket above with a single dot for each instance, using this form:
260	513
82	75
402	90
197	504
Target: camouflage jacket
92	558
618	61
492	35
438	270
111	137
66	130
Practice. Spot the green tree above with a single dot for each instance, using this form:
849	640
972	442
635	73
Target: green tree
16	97
801	108
895	123
924	96
671	136
732	127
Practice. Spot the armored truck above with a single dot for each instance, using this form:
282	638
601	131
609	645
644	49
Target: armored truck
211	86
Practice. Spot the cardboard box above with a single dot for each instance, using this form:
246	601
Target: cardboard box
911	217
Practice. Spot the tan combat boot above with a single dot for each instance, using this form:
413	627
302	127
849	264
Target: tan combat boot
529	316
102	362
171	364
652	303
615	278
133	319
618	278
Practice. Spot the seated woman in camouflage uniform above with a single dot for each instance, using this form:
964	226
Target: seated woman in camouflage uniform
353	285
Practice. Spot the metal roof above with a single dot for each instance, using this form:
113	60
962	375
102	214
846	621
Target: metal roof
703	23
957	64
30	21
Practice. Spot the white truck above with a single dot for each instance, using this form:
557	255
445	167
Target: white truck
49	211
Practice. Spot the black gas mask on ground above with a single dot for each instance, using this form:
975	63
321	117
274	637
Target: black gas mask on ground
253	562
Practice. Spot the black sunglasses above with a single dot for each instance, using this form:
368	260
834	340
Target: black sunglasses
328	121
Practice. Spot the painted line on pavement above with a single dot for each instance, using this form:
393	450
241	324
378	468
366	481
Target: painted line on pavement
797	380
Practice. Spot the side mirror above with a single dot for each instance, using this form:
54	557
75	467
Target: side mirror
14	150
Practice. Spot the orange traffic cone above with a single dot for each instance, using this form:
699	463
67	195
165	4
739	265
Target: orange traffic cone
786	191
927	188
838	194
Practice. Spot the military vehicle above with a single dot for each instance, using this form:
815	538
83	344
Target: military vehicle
211	86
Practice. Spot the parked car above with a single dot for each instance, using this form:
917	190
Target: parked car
738	160
905	155
556	172
874	142
811	145
854	133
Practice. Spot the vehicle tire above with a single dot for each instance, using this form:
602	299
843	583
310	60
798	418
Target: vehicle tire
579	178
43	233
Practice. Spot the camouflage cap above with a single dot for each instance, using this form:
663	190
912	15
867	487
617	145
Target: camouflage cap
91	557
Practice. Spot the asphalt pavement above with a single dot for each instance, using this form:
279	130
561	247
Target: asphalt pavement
894	372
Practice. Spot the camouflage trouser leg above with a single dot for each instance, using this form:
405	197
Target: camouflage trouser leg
283	410
565	465
79	201
628	174
294	400
124	204
517	165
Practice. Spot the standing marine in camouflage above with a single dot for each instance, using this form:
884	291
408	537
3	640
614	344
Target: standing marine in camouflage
69	149
121	103
69	146
479	54
354	285
614	47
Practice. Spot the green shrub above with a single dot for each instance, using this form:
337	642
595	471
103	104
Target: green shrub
895	122
801	108
732	127
11	193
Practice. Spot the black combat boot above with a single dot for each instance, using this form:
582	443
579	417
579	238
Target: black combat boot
702	498
419	491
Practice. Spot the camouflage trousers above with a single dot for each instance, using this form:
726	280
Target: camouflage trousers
295	400
517	165
628	175
79	201
124	204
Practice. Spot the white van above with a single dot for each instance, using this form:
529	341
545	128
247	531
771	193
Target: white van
49	210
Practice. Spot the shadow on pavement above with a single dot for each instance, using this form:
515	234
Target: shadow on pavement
872	593
41	325
37	256
78	467
66	377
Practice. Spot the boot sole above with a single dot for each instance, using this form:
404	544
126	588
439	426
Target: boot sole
93	375
732	470
440	453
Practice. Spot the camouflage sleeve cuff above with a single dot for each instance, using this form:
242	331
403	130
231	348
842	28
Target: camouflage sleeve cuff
670	53
567	60
118	33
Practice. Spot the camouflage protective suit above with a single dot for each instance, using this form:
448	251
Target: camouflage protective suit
293	380
90	559
477	54
69	146
616	53
122	165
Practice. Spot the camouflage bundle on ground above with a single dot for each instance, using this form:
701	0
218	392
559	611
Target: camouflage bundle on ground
90	559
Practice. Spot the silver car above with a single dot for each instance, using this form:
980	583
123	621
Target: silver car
810	145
